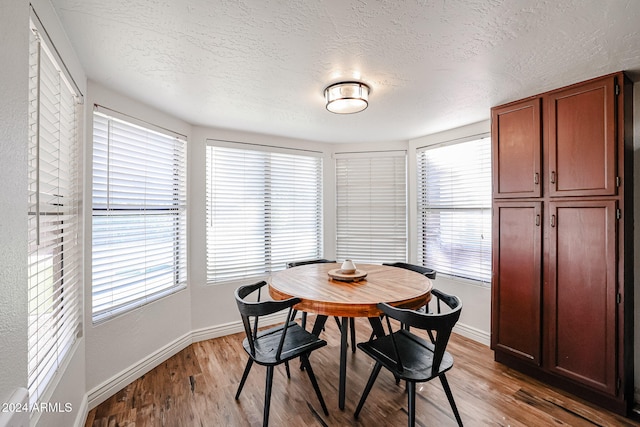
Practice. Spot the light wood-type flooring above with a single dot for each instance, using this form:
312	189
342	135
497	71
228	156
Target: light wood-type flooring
197	386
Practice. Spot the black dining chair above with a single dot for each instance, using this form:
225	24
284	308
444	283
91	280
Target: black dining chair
275	345
306	262
352	324
310	261
425	271
412	358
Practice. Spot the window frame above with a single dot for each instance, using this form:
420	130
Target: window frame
484	241
54	247
162	269
271	219
380	194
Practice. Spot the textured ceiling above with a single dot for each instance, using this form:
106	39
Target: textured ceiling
262	65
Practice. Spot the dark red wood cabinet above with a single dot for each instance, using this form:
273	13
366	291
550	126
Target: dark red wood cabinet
517	261
582	139
562	285
581	307
516	141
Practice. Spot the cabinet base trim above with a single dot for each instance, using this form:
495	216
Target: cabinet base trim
619	405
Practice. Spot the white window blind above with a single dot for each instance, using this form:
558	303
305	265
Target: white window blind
264	209
454	209
139	215
371	203
55	302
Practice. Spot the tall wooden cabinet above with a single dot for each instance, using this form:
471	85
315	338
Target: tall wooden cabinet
562	286
517	285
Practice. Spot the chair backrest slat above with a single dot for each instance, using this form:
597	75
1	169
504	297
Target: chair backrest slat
249	333
255	309
441	323
395	346
284	334
425	271
309	261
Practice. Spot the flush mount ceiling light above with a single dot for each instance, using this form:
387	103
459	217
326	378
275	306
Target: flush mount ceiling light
347	97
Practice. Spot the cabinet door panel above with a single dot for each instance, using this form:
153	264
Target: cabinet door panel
516	140
582	140
516	279
582	292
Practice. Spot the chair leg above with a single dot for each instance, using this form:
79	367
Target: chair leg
247	368
338	322
318	326
286	367
431	337
314	382
267	396
342	376
377	330
303	318
352	325
447	390
367	389
411	388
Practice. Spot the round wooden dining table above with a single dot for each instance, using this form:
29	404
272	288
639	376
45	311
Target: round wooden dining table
326	296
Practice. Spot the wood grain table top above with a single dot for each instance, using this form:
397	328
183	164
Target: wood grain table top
322	295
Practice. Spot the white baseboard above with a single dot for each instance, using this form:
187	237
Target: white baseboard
83	411
473	333
233	327
14	414
109	387
216	331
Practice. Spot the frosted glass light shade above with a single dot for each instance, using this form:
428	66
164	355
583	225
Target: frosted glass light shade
347	97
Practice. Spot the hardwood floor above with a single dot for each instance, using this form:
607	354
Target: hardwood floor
197	386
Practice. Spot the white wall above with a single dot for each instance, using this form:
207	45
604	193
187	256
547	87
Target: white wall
121	349
68	385
213	306
114	353
475	319
14	50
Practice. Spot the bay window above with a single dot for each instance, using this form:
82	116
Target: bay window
54	269
139	214
264	209
454	209
371	206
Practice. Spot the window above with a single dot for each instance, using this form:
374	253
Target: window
454	209
264	209
371	203
139	214
54	252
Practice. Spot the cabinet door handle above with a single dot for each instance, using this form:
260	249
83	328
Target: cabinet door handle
553	177
553	220
538	220
536	178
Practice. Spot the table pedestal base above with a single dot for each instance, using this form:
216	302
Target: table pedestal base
376	325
